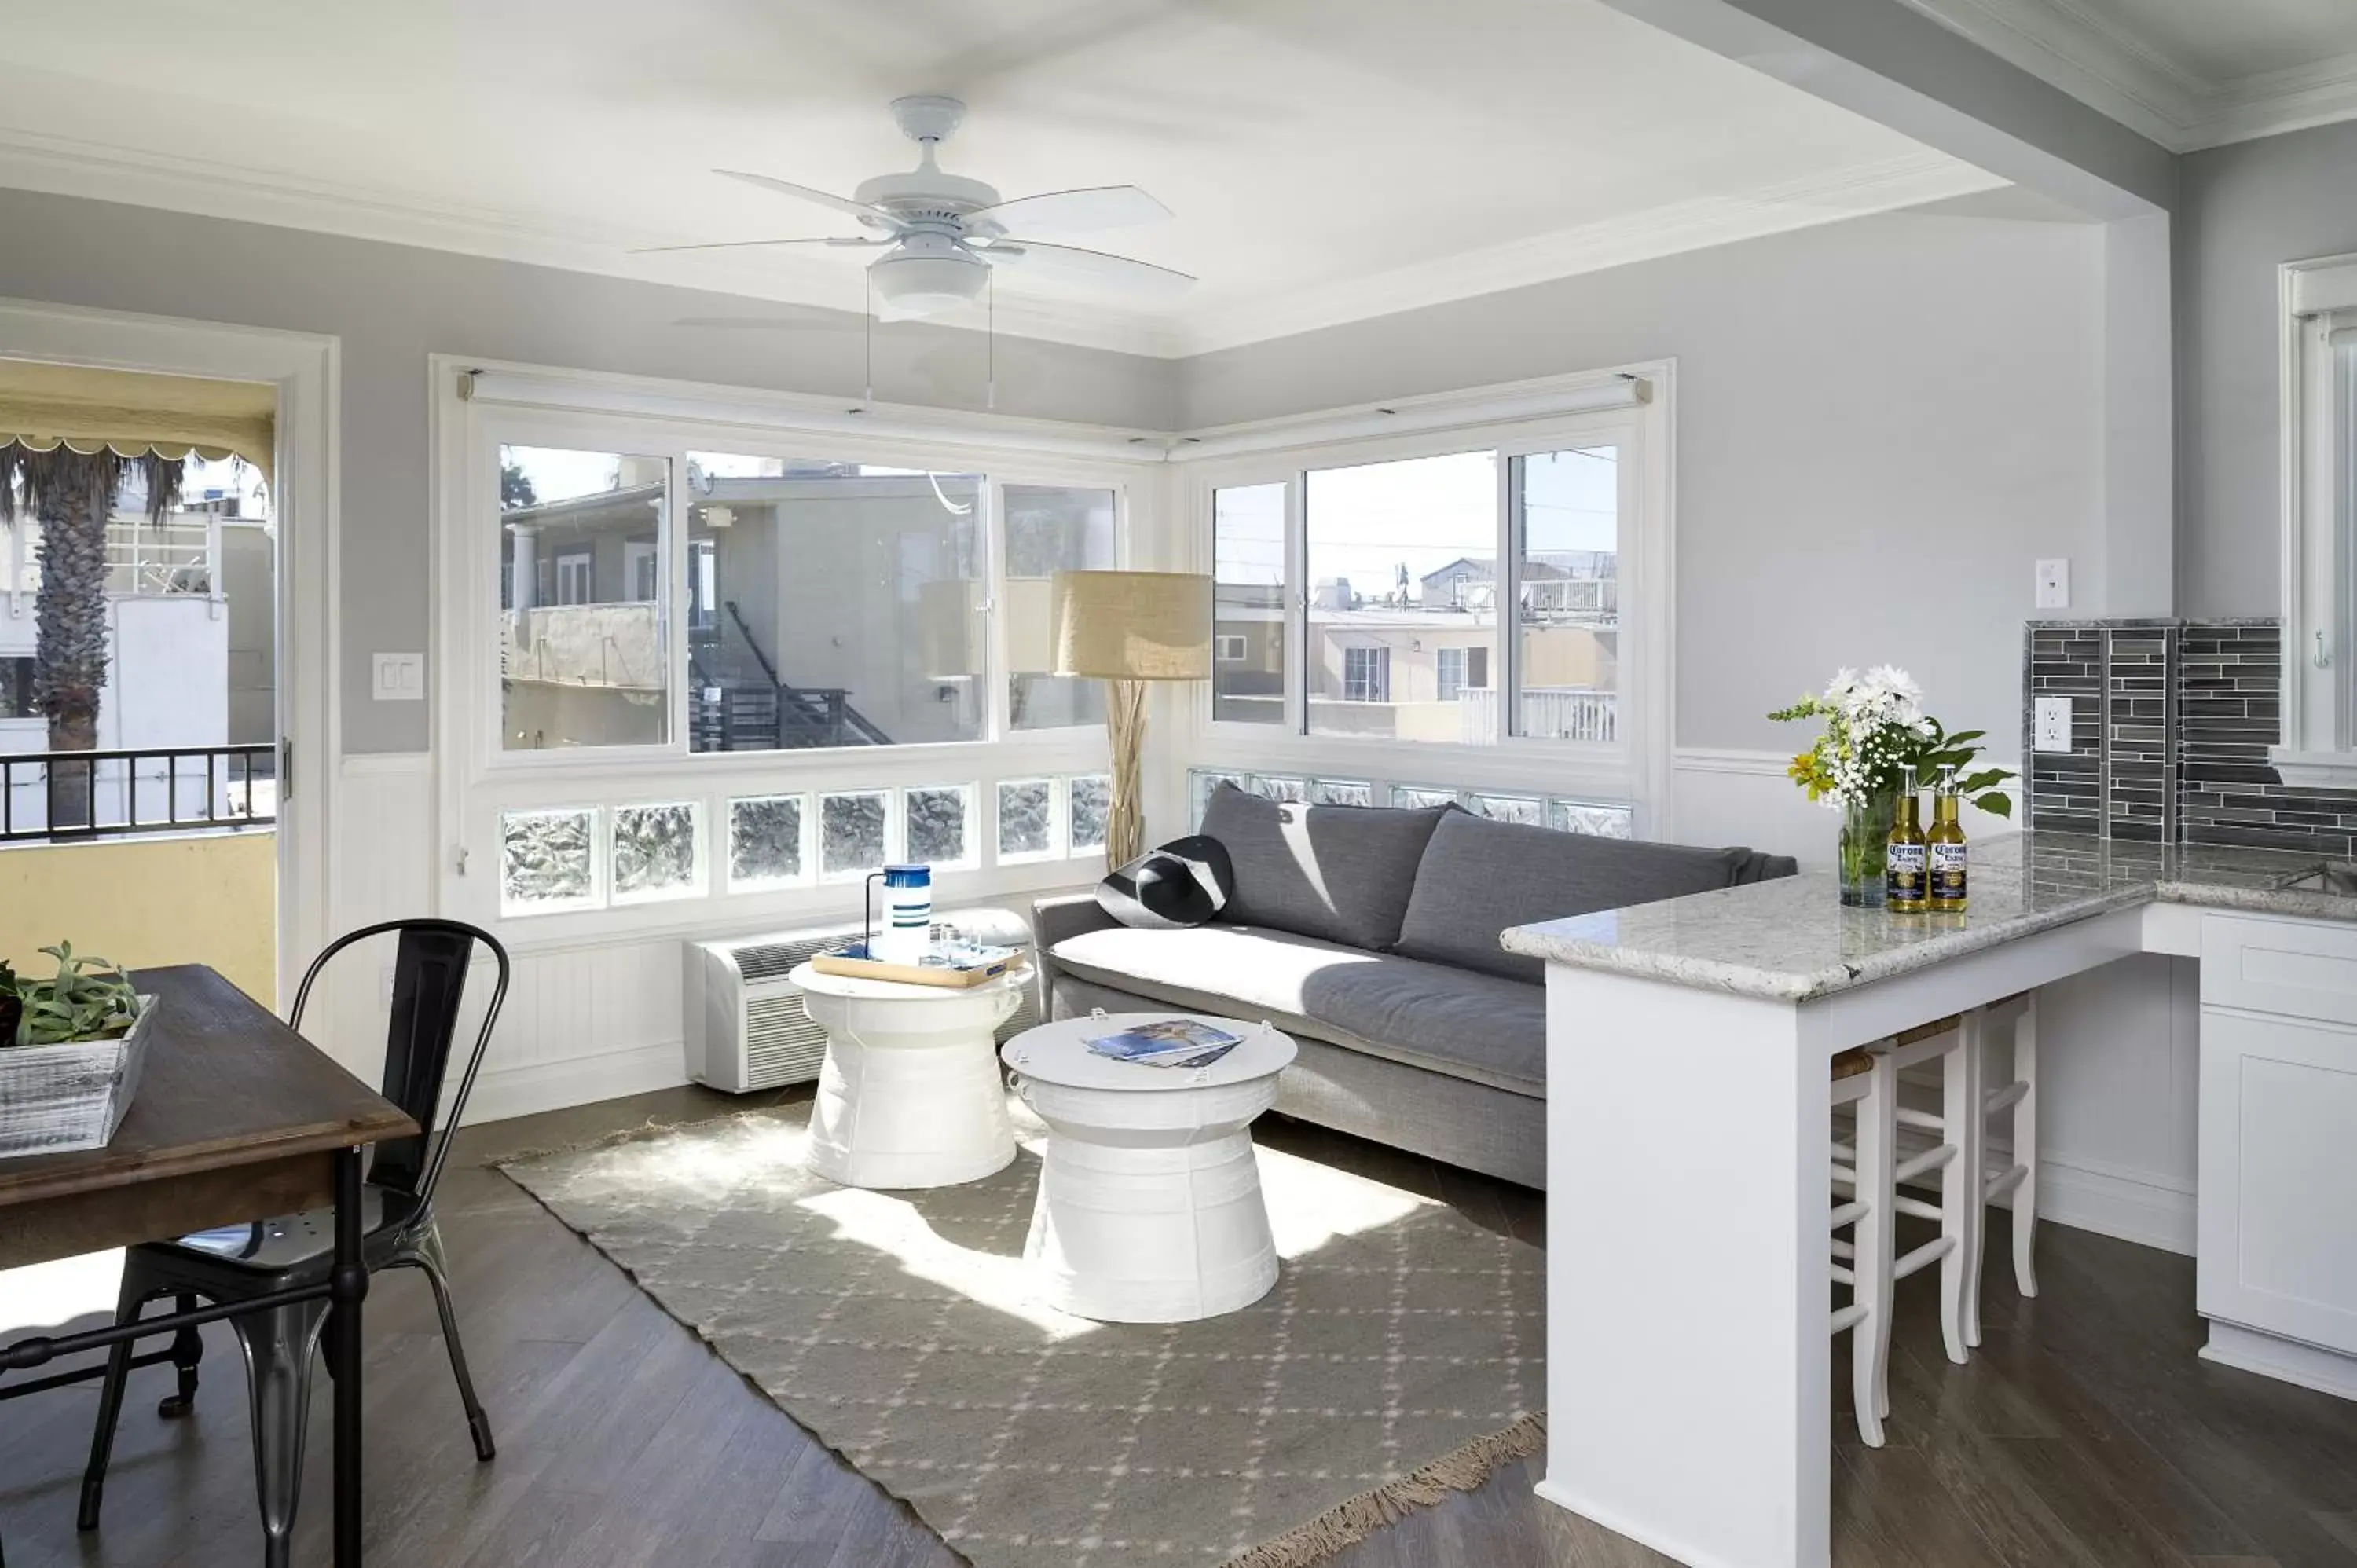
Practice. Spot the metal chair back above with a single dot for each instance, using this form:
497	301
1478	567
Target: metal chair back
429	985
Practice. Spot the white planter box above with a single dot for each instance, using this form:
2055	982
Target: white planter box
57	1099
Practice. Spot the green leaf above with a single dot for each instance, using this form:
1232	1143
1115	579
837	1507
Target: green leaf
1995	805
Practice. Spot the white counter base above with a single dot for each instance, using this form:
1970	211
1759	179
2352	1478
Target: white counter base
2248	1350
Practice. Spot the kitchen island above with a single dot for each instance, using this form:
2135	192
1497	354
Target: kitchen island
1688	1116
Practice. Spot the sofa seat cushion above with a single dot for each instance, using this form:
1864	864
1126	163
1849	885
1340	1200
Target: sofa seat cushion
1479	877
1342	874
1444	1019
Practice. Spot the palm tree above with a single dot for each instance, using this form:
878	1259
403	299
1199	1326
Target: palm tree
72	495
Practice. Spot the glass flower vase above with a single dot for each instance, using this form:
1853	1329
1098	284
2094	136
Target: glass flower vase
1865	835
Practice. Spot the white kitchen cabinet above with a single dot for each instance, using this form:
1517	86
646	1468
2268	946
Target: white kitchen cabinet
2276	1267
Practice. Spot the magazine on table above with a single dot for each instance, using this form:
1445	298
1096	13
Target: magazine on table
1168	1042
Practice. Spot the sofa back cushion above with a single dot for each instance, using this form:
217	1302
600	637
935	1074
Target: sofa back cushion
1480	876
1342	874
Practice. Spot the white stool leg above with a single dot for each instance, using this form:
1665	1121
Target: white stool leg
1877	1137
2024	1146
1961	1116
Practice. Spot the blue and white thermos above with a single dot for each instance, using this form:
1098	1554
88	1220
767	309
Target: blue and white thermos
905	933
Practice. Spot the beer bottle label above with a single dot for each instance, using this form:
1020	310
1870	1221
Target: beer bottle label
1905	864
1947	862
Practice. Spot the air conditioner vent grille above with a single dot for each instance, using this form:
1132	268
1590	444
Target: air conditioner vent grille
775	961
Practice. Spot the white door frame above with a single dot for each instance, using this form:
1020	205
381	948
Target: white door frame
307	369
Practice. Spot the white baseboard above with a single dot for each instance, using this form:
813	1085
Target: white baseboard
2288	1360
2128	1205
500	1094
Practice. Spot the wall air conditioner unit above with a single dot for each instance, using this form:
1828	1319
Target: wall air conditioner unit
746	1027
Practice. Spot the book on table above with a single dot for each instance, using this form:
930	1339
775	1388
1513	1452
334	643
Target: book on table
1166	1042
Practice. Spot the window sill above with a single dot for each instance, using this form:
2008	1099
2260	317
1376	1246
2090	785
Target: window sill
2314	769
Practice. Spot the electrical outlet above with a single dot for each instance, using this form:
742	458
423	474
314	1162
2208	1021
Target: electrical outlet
2050	724
2054	585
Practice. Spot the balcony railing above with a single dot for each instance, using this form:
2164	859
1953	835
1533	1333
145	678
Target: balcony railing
1551	712
59	795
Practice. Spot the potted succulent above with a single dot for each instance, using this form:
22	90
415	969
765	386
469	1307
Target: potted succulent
69	1055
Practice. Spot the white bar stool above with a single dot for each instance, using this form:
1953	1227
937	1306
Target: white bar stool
1867	1316
1872	1172
2020	1178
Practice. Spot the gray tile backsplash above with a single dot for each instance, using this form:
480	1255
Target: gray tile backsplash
2172	724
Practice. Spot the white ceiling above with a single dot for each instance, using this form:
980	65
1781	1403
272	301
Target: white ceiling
2189	73
1327	159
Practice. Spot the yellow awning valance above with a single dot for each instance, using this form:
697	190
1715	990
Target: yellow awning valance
42	404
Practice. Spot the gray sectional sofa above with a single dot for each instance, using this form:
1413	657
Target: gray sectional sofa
1370	934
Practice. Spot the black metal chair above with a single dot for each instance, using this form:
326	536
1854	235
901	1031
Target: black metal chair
397	1212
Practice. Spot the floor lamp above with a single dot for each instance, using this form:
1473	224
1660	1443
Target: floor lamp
1126	629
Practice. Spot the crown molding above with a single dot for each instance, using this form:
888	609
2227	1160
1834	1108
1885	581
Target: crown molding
2144	89
1668	230
61	165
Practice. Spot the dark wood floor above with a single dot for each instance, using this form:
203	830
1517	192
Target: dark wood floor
2084	1434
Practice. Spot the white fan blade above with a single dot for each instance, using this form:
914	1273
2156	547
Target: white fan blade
742	244
1073	211
860	209
752	323
1070	264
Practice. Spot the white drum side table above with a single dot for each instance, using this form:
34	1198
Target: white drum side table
1149	1207
909	1094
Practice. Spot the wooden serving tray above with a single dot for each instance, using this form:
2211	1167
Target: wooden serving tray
935	974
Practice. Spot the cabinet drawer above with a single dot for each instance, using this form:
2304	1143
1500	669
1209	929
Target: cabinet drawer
2294	968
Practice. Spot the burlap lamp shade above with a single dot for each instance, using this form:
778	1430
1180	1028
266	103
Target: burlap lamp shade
1129	627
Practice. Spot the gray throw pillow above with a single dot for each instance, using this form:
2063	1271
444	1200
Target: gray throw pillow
1342	874
1479	877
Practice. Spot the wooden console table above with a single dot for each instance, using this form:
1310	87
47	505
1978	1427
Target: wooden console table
238	1118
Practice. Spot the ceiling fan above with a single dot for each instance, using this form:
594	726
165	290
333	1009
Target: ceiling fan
942	235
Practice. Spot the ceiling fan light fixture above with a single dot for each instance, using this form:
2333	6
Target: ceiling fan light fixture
925	281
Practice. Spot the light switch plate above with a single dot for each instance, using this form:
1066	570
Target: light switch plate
2054	585
400	678
2050	724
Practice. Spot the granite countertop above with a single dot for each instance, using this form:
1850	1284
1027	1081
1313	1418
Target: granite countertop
1791	940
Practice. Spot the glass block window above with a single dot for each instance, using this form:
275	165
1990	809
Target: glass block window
1027	819
1530	809
548	862
656	852
937	824
851	832
1592	817
765	843
1416	795
1090	802
1280	787
1201	781
1340	792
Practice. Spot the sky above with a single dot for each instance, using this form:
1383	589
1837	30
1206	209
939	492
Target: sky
1365	521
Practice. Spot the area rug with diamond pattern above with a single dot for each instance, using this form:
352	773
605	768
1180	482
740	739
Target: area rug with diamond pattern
1398	1358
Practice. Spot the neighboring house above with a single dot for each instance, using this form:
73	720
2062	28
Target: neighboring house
190	655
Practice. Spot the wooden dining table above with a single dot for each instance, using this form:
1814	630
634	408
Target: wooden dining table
237	1117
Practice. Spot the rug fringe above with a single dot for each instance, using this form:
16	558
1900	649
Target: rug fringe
1349	1522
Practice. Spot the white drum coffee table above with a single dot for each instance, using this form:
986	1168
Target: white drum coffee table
910	1093
1149	1207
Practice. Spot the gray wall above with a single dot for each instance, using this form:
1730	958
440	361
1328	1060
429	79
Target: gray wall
1881	425
392	305
2243	210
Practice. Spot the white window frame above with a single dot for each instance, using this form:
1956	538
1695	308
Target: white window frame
2318	304
560	567
1449	687
1520	420
477	780
1228	648
1373	684
639	558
